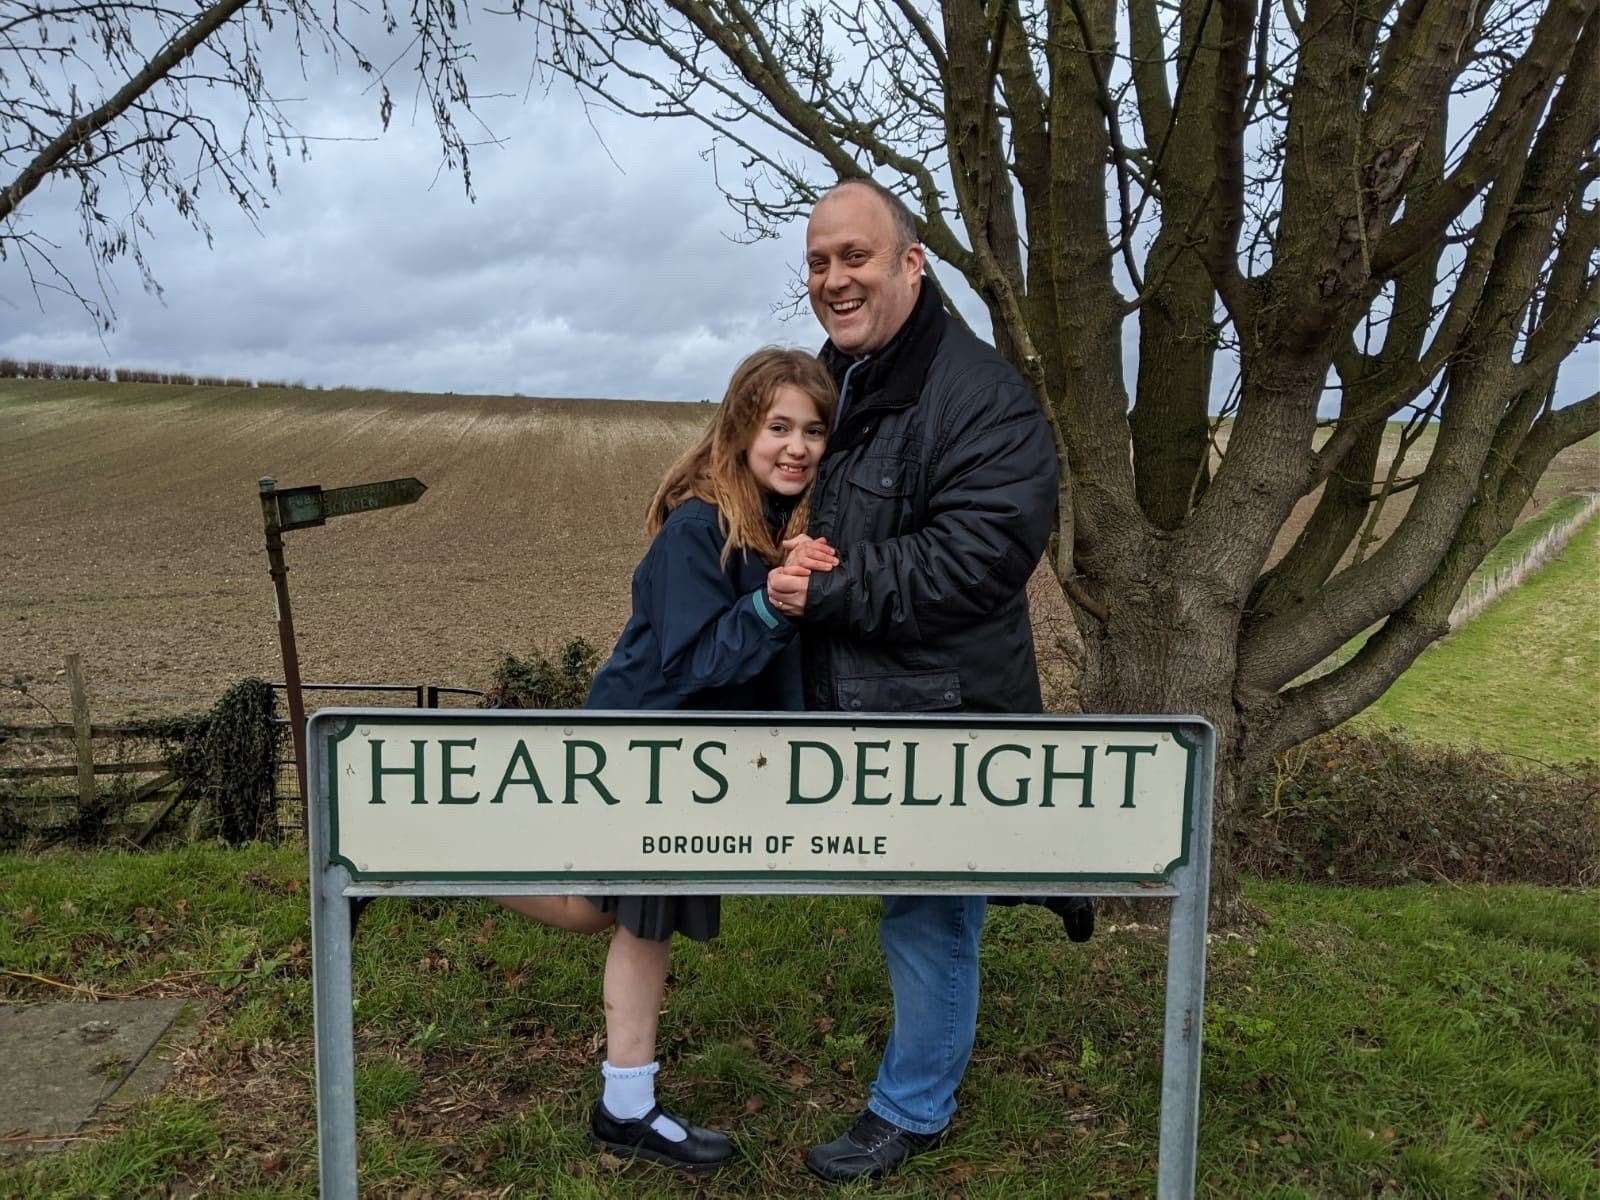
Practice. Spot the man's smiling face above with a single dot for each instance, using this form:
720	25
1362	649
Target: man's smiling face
863	282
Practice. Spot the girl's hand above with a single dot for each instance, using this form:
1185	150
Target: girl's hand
786	590
814	554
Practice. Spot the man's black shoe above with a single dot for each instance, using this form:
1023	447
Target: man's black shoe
702	1150
869	1149
1076	912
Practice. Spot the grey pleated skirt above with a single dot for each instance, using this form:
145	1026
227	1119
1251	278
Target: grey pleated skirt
657	918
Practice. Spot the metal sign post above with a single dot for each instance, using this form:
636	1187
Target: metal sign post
490	803
301	508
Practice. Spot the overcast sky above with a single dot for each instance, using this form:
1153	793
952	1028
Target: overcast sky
581	270
570	275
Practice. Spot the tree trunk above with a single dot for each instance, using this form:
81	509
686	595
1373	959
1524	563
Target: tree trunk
1168	647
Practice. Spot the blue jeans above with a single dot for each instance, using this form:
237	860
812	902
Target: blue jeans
930	944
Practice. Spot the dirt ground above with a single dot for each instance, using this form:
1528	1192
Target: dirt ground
130	533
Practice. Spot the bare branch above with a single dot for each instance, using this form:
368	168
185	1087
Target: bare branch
1221	248
1503	134
79	131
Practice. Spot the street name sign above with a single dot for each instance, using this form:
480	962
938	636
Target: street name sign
682	801
472	803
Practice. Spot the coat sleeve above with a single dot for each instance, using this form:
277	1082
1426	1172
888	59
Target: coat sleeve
991	507
710	635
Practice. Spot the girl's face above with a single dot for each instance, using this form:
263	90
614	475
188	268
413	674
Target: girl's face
788	444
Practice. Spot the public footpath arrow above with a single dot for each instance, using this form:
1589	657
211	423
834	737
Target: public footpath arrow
303	507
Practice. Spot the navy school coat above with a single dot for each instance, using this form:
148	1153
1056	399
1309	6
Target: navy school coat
701	635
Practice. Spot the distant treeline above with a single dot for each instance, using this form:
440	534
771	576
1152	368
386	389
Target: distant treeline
11	368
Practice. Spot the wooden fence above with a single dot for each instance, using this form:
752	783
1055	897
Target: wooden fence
90	804
93	748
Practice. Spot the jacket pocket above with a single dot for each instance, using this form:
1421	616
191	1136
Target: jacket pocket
922	691
885	477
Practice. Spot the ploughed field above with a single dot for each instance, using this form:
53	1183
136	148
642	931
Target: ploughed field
130	533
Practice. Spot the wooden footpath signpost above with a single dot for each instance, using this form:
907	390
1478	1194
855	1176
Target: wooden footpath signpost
302	508
499	802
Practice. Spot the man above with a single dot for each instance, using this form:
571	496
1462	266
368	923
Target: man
937	494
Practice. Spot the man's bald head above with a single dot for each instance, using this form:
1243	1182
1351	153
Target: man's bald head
905	225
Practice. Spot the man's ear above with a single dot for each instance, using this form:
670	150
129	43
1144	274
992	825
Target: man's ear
916	258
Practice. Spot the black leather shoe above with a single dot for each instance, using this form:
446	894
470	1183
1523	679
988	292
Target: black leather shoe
869	1149
702	1150
1076	912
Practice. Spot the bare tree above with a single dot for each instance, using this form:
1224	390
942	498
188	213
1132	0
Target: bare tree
171	101
1382	208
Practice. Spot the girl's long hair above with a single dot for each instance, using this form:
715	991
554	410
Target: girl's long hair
714	468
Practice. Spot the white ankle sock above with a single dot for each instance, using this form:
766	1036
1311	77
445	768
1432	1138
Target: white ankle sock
631	1092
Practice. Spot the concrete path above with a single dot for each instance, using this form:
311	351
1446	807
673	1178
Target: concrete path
61	1063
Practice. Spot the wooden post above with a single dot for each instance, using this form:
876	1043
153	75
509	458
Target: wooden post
80	732
291	658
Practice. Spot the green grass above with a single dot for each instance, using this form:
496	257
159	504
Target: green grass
1427	1041
1523	677
1517	543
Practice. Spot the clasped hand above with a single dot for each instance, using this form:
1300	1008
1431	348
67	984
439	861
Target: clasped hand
786	585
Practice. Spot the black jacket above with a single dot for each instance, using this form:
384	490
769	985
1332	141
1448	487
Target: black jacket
938	490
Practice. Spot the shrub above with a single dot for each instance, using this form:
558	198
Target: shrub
228	759
134	375
540	682
1377	808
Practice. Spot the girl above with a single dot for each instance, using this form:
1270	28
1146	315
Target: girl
703	634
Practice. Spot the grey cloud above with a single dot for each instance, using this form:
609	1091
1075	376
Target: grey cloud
571	274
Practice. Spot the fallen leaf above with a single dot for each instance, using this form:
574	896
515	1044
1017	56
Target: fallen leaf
753	1105
611	1162
799	1077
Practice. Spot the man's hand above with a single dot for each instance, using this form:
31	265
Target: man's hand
814	554
786	590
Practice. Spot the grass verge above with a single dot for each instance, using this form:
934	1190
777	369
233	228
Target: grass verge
1524	677
1517	543
1424	1041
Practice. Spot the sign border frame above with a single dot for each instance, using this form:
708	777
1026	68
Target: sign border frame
1188	732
